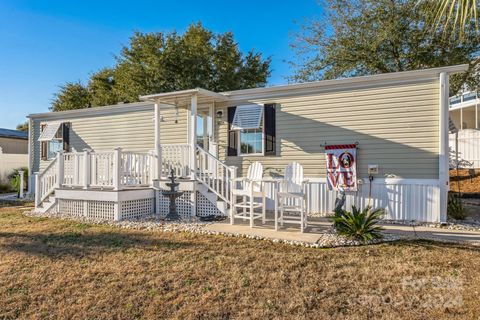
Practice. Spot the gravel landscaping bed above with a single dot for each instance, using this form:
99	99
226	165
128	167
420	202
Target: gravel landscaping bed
451	224
328	238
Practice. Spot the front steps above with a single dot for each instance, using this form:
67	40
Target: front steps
47	205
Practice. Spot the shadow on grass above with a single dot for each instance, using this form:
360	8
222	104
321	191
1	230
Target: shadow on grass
463	177
81	244
435	244
16	203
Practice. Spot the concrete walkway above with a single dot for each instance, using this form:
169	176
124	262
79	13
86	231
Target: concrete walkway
8	196
317	226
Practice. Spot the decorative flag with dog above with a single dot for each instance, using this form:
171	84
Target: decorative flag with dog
341	167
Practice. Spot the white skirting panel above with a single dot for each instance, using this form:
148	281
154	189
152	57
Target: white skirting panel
402	199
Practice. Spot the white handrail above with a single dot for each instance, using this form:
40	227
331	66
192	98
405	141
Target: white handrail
98	169
101	167
176	157
73	167
215	174
46	182
135	168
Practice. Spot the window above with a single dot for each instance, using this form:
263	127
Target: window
251	141
52	140
55	145
200	131
248	120
251	130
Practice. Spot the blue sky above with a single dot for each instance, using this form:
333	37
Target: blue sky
45	43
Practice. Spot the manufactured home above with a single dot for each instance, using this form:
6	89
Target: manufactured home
112	162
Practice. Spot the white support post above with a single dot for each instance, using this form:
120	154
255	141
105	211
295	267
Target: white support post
211	125
86	169
60	169
476	116
37	190
461	118
30	156
117	215
443	177
152	161
117	167
76	173
158	146
21	176
192	141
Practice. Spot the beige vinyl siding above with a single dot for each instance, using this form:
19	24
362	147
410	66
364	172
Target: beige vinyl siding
173	128
396	126
133	130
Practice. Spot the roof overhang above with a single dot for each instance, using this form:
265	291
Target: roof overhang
183	97
342	83
105	110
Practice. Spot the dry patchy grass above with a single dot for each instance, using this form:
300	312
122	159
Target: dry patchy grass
62	269
462	180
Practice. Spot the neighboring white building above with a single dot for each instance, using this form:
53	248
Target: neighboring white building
13	152
465	140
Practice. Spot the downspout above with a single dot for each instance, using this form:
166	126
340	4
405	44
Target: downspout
443	177
30	158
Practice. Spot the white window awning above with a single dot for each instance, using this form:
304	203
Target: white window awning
50	131
247	117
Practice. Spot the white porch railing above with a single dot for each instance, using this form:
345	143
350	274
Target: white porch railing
136	169
46	182
107	169
176	157
215	174
119	169
73	164
102	169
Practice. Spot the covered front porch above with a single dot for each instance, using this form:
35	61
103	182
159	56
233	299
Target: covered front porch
103	173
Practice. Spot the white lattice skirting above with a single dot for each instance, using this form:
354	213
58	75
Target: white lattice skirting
107	210
206	208
185	205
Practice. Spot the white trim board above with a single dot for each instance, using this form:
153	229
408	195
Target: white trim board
104	195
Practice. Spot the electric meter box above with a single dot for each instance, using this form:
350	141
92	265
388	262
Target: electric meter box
373	169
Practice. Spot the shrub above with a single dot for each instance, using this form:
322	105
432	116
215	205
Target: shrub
358	224
5	187
455	208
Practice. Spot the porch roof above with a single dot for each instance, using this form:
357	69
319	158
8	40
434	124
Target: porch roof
183	97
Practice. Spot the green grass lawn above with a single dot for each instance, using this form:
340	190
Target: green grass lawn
63	269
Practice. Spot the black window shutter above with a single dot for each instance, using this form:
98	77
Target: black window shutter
43	145
270	130
66	136
232	134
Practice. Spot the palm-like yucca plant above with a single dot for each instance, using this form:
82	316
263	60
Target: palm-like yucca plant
358	224
455	13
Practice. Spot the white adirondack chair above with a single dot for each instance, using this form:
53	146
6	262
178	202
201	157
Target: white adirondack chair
290	200
250	190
